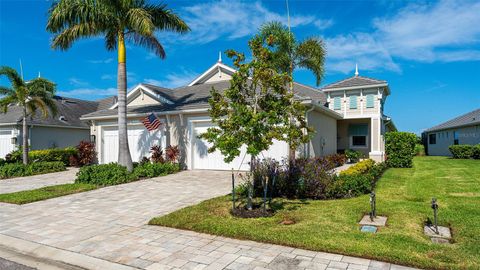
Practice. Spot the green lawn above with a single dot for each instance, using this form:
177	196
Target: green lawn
44	193
403	195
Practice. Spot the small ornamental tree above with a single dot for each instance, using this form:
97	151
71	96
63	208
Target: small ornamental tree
256	109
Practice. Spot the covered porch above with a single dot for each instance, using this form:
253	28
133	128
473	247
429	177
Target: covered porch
362	134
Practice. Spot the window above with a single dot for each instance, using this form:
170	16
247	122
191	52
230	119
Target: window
432	138
358	134
353	102
455	137
370	101
359	141
336	103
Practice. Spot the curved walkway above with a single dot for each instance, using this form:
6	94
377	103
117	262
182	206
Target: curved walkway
37	181
106	229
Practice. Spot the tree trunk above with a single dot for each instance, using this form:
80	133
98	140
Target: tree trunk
25	138
124	157
291	150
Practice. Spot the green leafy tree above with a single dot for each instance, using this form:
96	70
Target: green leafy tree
33	95
117	21
257	107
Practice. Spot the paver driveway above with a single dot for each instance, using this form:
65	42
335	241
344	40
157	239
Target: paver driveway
38	181
110	224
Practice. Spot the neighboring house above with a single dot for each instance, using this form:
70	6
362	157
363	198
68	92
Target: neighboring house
62	130
464	129
184	112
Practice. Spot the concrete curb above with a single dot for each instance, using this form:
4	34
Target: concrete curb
59	255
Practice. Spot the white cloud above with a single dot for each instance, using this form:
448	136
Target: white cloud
82	92
230	20
323	24
77	82
445	31
174	80
101	61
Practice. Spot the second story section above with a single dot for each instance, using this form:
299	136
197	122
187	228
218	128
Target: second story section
357	96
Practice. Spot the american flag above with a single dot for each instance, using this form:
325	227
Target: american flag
151	122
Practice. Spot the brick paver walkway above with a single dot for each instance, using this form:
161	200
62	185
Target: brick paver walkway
109	224
37	181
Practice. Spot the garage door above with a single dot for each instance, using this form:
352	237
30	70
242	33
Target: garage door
139	141
6	145
201	159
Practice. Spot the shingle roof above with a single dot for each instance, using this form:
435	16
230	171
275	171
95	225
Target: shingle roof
355	81
71	109
197	96
468	119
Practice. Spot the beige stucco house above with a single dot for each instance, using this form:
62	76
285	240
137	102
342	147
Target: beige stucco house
184	112
464	129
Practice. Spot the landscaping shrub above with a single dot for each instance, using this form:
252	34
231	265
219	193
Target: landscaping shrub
400	149
2	161
172	153
18	169
86	154
114	174
148	170
363	166
419	150
463	151
14	156
104	175
337	159
53	154
352	155
156	154
476	152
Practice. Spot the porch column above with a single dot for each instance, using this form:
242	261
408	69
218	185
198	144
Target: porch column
376	152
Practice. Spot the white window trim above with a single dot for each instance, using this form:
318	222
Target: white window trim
350	139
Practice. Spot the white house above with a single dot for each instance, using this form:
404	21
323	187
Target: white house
345	115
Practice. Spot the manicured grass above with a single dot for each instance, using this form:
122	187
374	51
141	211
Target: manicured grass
28	196
403	195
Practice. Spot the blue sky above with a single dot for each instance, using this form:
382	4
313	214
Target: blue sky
428	51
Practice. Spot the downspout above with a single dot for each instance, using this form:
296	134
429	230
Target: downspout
306	147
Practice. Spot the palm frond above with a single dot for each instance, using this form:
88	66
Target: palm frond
140	21
149	42
36	103
12	76
5	90
7	101
111	40
310	54
41	85
166	19
65	39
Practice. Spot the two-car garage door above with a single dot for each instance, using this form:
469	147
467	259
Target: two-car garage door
201	159
139	141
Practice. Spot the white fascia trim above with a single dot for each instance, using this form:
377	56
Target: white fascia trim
212	68
145	88
8	124
145	114
57	126
357	87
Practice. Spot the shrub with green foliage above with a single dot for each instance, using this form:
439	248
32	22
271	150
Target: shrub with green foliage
352	155
476	152
18	169
419	150
115	174
359	168
45	155
400	149
148	170
463	151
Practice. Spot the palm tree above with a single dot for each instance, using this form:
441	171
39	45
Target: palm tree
117	21
30	95
290	54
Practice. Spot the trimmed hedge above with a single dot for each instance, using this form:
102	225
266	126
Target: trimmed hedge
400	149
18	169
45	155
115	174
465	151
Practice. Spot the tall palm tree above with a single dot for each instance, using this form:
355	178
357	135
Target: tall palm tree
117	21
30	96
290	54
